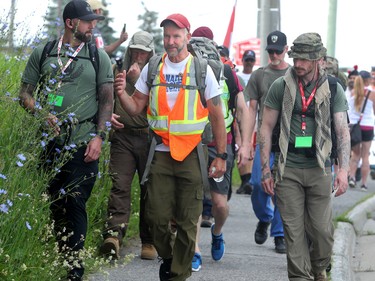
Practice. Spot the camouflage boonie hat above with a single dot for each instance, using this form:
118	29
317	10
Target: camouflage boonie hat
307	46
332	66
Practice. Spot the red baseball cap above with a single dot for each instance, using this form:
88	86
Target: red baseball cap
180	20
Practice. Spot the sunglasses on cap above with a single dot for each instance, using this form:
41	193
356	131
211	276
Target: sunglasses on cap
271	52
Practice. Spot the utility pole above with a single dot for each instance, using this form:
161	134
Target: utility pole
11	25
268	21
331	32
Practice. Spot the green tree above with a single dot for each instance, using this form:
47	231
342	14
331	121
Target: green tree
150	19
54	23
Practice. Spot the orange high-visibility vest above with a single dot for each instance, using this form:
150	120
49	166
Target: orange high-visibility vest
180	128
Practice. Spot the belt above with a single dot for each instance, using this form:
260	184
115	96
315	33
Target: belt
135	131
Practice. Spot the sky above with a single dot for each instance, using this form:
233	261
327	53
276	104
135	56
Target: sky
354	39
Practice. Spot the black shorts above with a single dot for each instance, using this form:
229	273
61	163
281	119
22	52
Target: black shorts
367	135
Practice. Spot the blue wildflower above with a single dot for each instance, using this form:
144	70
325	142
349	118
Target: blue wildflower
3	176
4	208
19	164
28	226
21	157
3	191
62	191
10	203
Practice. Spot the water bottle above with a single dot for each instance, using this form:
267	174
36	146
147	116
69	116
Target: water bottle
217	179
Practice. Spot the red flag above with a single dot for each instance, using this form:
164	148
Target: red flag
228	36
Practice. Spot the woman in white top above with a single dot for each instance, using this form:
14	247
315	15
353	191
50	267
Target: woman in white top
361	150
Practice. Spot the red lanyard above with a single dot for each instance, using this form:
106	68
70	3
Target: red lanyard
305	104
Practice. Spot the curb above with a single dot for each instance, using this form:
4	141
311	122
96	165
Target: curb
345	241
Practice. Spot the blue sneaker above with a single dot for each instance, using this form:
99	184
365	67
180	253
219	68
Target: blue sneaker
196	264
217	245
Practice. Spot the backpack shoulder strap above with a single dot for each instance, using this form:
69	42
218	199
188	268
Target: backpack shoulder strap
46	51
94	57
153	64
200	77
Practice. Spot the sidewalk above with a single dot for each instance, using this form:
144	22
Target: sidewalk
244	260
354	248
353	253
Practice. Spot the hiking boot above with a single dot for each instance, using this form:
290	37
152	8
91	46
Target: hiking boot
364	187
165	270
351	182
245	188
321	276
148	252
217	245
280	246
196	264
74	276
261	234
207	221
111	247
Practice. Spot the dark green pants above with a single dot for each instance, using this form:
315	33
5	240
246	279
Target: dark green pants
175	192
304	200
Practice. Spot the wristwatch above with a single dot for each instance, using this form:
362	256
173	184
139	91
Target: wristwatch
102	135
223	156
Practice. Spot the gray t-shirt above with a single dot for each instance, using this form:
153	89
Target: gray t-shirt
259	83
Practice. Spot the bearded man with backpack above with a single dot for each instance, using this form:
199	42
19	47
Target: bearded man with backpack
302	179
87	96
177	170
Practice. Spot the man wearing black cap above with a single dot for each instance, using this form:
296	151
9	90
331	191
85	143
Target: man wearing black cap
257	88
302	179
178	168
79	104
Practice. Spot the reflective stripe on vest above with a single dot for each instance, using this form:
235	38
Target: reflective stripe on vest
228	117
180	128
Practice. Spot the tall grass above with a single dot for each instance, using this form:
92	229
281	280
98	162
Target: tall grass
28	250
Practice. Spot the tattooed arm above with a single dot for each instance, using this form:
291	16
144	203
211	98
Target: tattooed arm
343	149
269	119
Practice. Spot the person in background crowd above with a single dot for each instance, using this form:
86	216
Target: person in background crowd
351	76
257	87
361	151
178	168
332	68
98	7
373	78
234	106
248	62
366	76
129	150
90	100
299	103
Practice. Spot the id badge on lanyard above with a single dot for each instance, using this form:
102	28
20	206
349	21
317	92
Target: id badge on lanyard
304	140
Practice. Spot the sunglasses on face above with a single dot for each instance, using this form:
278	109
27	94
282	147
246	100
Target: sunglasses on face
271	52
